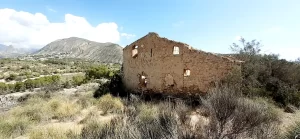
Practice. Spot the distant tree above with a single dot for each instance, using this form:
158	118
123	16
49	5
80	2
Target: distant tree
247	49
298	60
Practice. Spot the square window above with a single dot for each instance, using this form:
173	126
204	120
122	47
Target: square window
176	50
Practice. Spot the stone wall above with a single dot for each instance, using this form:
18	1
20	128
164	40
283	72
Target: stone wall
164	71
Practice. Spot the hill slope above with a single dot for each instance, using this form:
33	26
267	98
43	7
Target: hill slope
81	48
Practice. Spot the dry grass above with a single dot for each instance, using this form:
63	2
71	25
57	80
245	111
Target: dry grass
61	108
53	133
81	116
292	131
108	103
11	127
32	110
147	112
35	111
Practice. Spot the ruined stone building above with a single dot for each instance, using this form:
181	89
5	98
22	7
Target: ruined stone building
160	65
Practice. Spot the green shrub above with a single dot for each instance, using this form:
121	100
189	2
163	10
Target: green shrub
99	72
44	82
3	88
11	77
67	84
78	80
20	87
29	84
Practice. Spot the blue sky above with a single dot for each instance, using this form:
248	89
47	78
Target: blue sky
207	25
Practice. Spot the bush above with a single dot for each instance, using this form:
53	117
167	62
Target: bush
108	103
233	116
102	90
267	75
78	80
20	87
3	88
52	83
11	77
67	84
99	72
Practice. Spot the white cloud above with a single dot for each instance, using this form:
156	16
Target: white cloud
23	29
50	9
128	36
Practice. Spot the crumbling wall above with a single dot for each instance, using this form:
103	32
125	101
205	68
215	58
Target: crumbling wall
164	71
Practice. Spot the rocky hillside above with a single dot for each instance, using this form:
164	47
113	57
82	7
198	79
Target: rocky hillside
10	51
81	48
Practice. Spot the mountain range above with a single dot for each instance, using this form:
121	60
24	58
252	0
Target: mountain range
74	47
11	51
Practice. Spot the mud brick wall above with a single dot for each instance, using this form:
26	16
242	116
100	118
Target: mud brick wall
165	71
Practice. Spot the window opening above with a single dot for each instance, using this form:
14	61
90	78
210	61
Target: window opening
144	81
187	72
176	50
151	52
135	51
